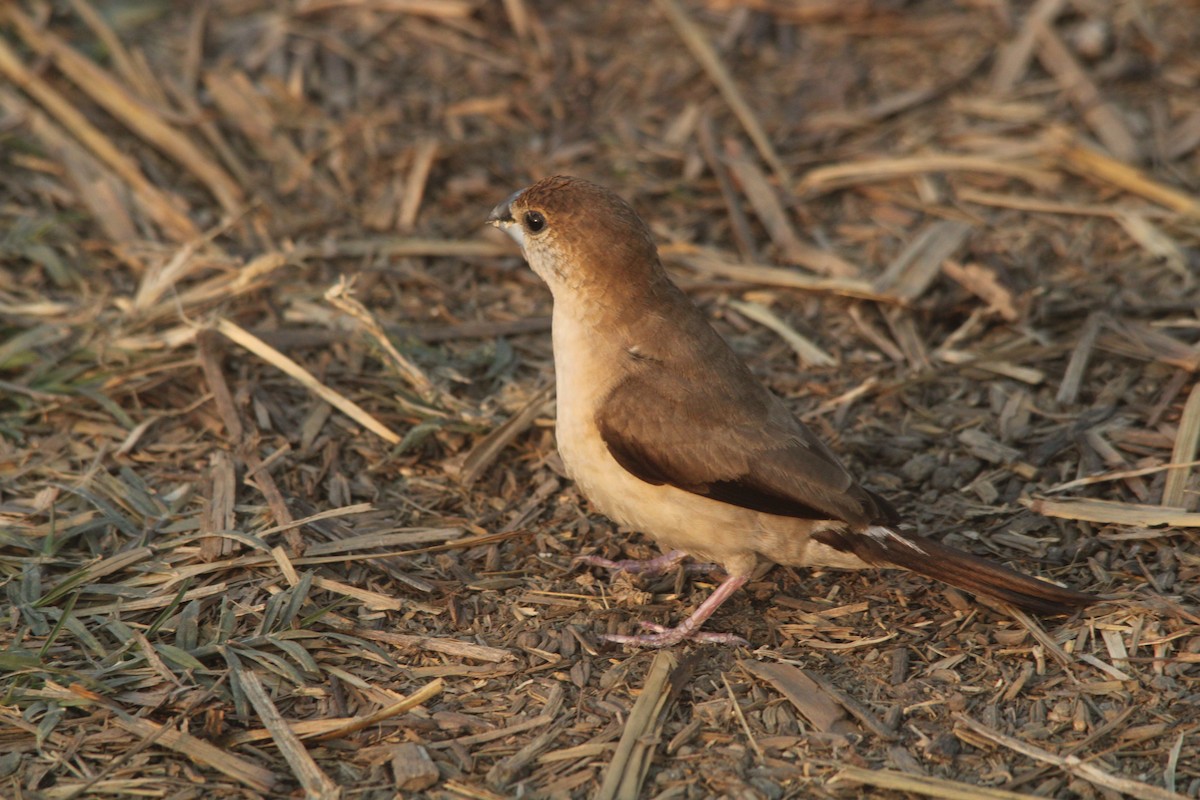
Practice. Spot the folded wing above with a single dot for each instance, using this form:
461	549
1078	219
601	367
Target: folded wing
714	431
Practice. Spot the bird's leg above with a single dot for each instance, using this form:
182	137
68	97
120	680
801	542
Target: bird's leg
689	628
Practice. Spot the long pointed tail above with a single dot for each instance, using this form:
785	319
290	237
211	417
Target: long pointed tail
886	548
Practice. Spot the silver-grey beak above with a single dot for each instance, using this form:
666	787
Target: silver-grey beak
501	215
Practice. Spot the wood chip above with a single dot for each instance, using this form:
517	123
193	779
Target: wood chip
809	353
412	767
982	282
1093	165
315	782
417	698
631	760
703	51
1112	512
1068	390
468	467
291	368
157	203
102	87
912	272
414	186
1088	771
1102	117
451	647
1013	58
241	102
821	710
738	222
770	211
765	275
177	512
924	785
1187	446
1156	242
258	779
839	176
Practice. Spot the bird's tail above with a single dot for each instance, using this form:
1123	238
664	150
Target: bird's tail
884	547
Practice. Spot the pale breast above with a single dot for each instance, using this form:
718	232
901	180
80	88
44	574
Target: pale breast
586	367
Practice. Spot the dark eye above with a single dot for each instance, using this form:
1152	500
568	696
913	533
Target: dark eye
535	222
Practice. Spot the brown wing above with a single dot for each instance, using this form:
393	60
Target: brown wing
705	425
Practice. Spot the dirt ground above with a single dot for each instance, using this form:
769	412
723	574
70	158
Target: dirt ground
280	509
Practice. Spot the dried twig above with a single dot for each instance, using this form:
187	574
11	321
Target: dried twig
1076	766
698	43
277	359
631	759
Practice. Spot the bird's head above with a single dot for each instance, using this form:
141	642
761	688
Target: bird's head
575	233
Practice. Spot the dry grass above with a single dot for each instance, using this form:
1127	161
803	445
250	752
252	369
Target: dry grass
265	532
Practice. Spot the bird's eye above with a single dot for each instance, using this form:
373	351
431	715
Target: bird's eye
535	222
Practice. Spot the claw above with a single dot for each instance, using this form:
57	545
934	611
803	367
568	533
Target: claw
689	629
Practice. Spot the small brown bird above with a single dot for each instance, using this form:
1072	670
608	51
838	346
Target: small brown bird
666	431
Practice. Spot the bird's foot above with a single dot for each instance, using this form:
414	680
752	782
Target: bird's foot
648	566
690	628
666	637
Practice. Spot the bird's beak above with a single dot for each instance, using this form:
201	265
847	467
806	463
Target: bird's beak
501	216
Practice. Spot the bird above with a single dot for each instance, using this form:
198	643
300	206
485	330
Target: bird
665	430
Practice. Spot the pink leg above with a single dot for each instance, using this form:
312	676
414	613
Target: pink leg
648	566
689	628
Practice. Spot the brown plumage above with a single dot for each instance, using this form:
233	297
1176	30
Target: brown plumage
665	429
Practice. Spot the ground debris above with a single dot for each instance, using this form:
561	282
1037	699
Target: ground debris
280	510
